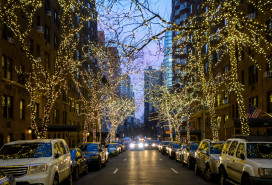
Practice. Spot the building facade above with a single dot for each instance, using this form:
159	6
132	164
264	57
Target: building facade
45	38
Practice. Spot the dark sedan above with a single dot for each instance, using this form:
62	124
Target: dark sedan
79	163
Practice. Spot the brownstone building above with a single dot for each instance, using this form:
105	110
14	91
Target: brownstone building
255	77
65	119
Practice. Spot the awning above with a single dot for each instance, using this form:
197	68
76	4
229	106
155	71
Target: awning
253	122
63	128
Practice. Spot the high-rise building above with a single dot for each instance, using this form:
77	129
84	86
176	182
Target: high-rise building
167	62
152	77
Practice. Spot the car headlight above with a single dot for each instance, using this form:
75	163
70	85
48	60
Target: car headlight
141	145
132	145
265	171
146	144
153	145
37	168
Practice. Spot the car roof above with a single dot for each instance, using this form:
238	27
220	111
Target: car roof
252	138
34	141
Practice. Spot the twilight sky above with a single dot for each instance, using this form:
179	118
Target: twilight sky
153	52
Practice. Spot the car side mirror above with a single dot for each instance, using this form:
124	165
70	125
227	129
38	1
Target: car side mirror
57	155
242	156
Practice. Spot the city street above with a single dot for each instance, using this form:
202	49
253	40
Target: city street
148	167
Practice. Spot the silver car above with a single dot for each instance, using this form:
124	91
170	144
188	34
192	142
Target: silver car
207	158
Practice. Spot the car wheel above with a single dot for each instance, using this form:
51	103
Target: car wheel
245	180
188	164
56	180
99	165
208	174
86	169
223	177
197	170
76	174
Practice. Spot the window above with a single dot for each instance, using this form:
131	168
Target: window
77	108
226	117
56	42
252	12
206	67
7	105
225	147
46	5
269	101
47	33
225	97
38	20
6	33
7	67
38	54
232	148
37	110
64	121
56	116
254	101
22	109
31	46
243	78
240	150
56	19
218	99
219	119
47	60
253	75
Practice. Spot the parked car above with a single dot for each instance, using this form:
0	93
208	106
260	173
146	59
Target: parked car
172	149
96	154
79	163
162	146
247	160
43	161
188	155
179	153
113	149
120	145
207	158
6	179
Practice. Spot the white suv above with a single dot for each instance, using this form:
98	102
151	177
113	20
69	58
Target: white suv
43	162
247	160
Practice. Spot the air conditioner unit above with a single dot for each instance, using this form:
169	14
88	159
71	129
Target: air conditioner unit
40	29
267	74
10	40
48	13
225	101
38	59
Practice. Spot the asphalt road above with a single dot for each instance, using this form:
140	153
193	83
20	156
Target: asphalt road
147	167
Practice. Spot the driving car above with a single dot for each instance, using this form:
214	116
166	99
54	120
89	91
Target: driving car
113	149
41	161
207	158
79	163
136	145
6	179
96	154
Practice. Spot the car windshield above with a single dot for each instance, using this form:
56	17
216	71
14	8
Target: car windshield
73	154
194	146
216	148
176	146
92	147
26	150
111	146
259	150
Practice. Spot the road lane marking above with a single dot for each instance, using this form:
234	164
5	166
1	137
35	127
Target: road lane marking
174	170
160	159
125	159
115	171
